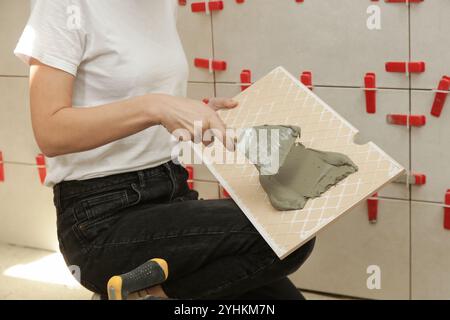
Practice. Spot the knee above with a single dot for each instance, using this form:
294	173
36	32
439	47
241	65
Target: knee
296	259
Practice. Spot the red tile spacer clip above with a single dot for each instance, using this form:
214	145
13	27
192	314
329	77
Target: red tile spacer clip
406	67
212	6
212	65
206	101
2	168
417	179
201	63
441	96
246	79
218	65
407	120
225	193
182	2
40	162
190	180
447	211
306	79
371	93
372	208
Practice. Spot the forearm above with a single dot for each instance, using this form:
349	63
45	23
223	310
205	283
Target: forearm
75	129
61	128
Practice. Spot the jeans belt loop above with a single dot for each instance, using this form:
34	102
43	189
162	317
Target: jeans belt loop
141	176
172	179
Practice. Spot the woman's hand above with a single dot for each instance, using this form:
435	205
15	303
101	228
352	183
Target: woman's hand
188	119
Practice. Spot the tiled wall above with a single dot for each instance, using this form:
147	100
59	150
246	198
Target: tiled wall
330	39
27	214
340	43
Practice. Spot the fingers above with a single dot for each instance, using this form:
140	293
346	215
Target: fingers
218	128
222	103
203	125
220	132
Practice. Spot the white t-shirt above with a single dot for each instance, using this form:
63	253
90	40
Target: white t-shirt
117	50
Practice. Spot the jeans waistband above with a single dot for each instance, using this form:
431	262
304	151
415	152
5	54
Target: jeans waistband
139	177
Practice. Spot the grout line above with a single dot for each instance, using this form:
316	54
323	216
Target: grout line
14	76
205	181
213	51
200	82
410	156
437	204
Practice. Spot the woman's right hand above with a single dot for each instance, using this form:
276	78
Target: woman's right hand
194	117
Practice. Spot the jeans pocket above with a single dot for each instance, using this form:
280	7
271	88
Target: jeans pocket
100	212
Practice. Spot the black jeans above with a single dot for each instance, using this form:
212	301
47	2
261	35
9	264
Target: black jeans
110	225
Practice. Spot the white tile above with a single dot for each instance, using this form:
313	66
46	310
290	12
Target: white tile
207	190
27	213
393	139
17	141
430	152
329	38
429	41
346	249
196	36
13	17
280	99
430	259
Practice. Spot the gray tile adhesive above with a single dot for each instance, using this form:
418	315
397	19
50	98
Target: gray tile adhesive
289	172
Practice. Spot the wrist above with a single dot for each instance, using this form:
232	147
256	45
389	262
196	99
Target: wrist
152	107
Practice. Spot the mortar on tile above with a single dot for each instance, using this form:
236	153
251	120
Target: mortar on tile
289	172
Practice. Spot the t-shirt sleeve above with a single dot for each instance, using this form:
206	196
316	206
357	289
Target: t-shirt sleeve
53	35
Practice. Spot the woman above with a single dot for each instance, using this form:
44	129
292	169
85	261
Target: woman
107	80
